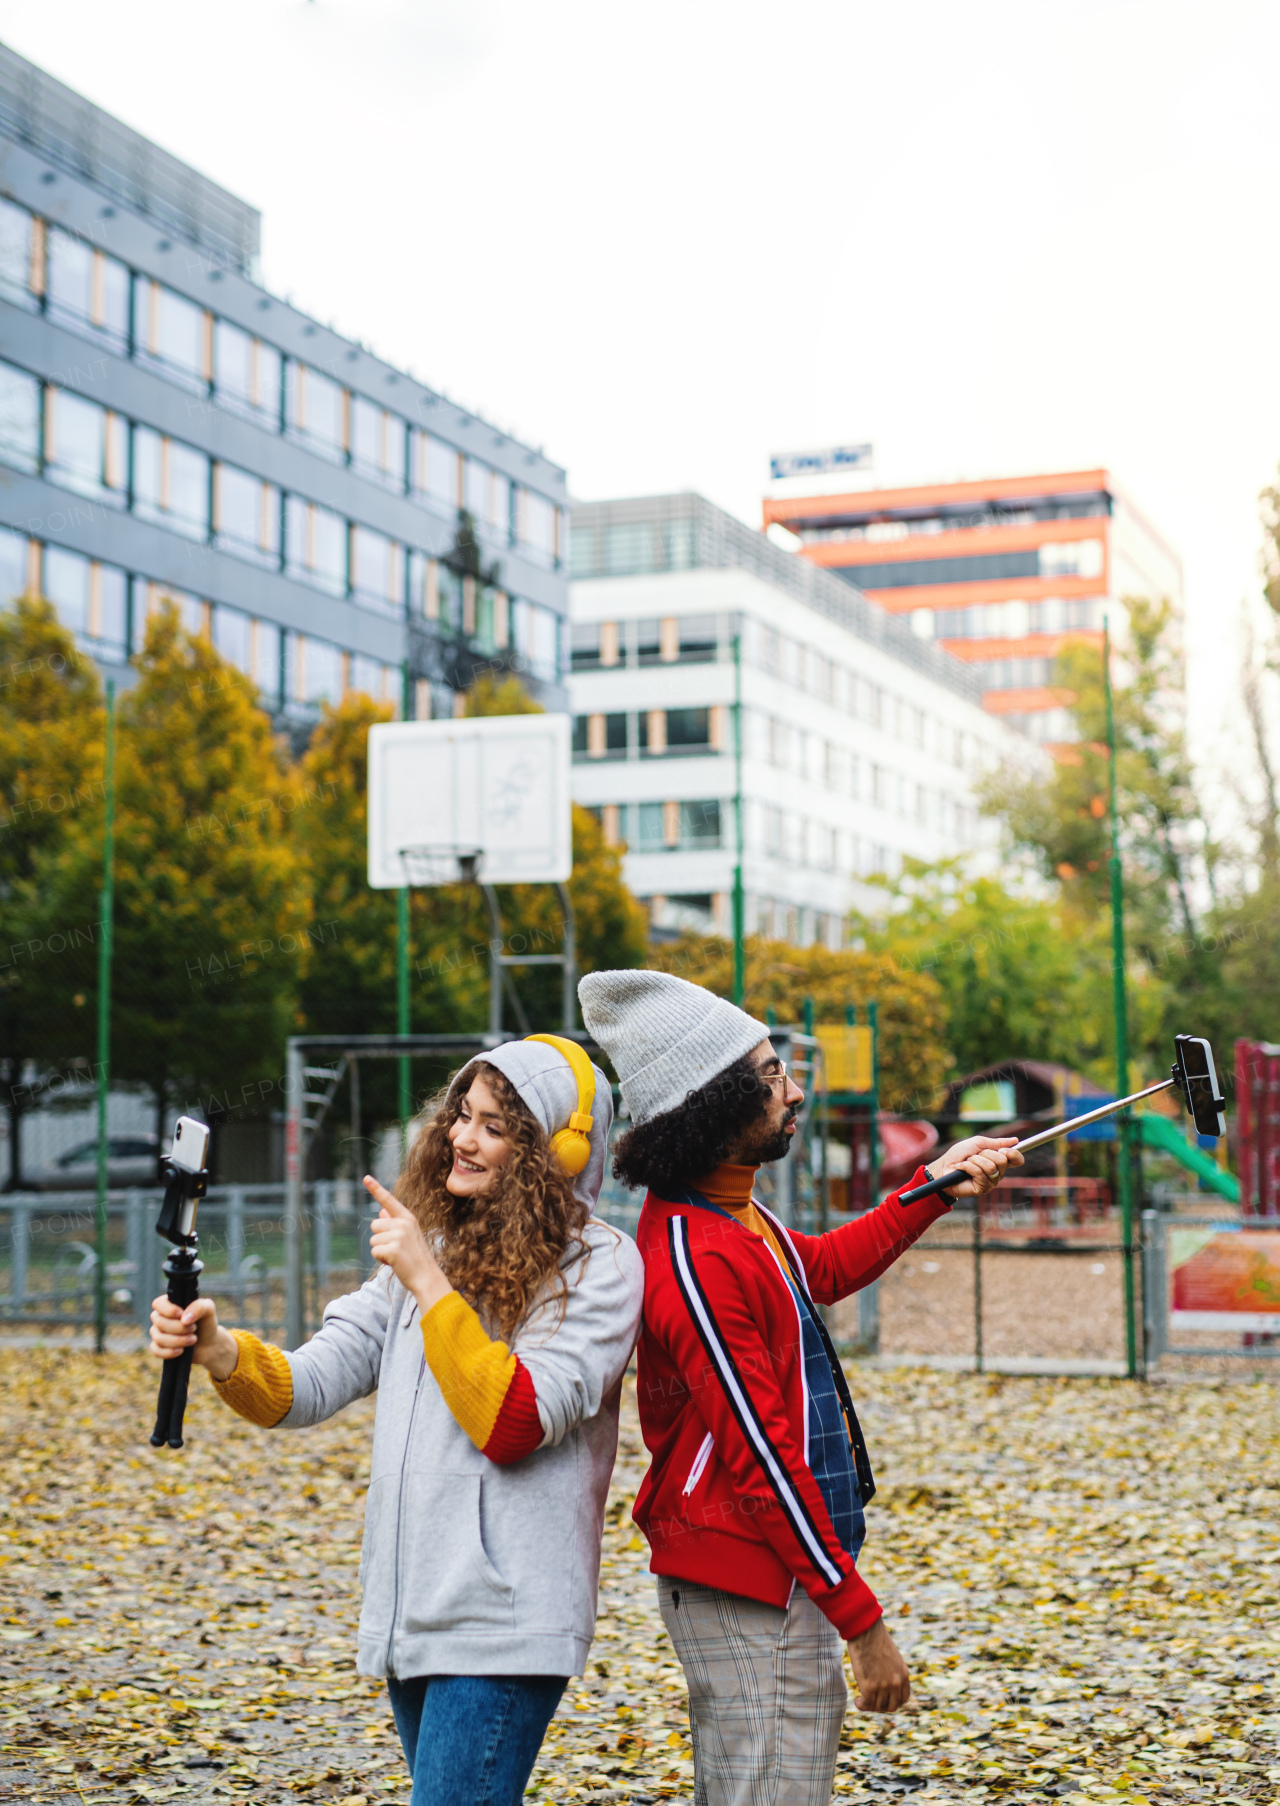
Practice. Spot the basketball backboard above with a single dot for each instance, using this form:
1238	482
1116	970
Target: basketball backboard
484	797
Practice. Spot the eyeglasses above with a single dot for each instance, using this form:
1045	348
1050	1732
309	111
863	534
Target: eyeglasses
775	1071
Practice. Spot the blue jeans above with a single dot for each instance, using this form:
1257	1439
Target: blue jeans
472	1739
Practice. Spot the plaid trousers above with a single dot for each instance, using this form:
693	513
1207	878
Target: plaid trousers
767	1695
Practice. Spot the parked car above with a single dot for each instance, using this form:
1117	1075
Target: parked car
131	1160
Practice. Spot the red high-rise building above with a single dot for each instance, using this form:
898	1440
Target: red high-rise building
1000	572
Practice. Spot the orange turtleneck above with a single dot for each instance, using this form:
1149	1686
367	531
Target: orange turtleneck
730	1188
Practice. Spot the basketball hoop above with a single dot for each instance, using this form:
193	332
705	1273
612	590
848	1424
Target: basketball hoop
431	865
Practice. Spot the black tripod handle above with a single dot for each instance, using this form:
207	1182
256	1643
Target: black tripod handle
172	1404
182	1270
931	1187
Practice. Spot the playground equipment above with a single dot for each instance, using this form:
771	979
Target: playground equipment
1258	1125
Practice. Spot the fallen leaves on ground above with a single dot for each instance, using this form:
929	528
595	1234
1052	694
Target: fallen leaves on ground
1085	1576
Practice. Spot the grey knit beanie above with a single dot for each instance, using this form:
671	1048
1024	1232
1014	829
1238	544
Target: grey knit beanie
545	1082
665	1036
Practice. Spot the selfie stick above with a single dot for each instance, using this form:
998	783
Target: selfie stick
187	1173
1193	1073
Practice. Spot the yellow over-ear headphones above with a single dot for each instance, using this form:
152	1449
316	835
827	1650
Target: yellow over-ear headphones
572	1145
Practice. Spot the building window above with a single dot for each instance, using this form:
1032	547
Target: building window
584	642
377	443
771	830
601	736
696	639
650	824
19	419
316	411
91	599
85	446
648	641
1072	558
536	632
233	638
448	599
436	470
88	290
170	483
15	573
246	515
315	545
688	730
268	645
370	677
193	614
172	332
247	374
536	528
699	824
491	630
487	498
318	671
377	571
21	274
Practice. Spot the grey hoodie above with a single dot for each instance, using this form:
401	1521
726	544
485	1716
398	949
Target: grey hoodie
469	1567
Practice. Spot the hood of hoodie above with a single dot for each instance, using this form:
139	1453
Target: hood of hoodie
545	1082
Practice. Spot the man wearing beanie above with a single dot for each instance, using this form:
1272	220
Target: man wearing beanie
753	1502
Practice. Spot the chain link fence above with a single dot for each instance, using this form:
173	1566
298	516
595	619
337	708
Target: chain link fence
49	1263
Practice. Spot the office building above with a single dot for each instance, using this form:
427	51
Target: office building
860	741
168	428
1001	573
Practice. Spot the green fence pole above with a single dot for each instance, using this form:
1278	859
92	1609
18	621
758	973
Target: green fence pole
405	1101
104	1019
873	1022
1124	1166
739	899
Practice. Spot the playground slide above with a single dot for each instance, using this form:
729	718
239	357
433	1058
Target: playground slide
1168	1137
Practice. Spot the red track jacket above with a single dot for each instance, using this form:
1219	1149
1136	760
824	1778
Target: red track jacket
729	1500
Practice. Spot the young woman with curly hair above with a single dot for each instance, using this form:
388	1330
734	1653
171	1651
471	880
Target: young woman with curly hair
496	1336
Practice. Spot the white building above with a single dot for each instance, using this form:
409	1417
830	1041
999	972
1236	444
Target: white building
861	743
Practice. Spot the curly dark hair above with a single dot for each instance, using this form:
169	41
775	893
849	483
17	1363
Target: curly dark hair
501	1248
681	1145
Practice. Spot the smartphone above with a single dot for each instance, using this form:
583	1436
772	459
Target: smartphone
190	1148
1200	1084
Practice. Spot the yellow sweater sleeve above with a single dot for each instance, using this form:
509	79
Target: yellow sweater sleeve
261	1388
473	1371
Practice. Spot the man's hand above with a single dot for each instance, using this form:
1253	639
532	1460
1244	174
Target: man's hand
984	1158
396	1240
879	1670
196	1328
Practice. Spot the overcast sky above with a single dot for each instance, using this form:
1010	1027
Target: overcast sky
662	241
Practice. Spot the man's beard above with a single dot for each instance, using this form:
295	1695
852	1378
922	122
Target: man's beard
771	1144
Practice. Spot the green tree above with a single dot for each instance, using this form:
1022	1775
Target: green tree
211	910
1169	857
51	751
1012	967
912	1024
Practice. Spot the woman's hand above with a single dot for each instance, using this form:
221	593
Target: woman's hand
197	1327
984	1158
396	1240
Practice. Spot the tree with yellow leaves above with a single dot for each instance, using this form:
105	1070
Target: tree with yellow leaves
212	914
779	977
51	753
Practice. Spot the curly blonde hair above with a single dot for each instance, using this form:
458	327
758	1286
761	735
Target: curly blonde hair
500	1248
